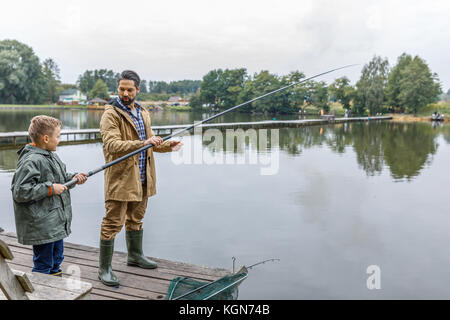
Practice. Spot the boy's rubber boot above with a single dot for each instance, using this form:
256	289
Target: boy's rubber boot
105	273
134	247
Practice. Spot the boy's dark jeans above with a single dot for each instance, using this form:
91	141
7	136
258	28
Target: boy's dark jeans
48	257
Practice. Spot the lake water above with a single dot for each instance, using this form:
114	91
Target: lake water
343	198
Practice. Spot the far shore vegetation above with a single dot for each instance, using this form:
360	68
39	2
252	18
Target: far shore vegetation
408	87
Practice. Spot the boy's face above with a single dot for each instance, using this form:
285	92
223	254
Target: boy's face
52	141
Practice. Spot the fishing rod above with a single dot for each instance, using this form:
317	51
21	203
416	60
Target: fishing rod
107	165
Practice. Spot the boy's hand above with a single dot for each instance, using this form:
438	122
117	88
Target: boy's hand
59	188
82	177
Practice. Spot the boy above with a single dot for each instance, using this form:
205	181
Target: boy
42	207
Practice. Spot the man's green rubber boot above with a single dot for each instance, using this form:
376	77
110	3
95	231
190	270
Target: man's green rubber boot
105	273
134	247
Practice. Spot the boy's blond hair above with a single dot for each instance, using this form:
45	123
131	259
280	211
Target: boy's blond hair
42	125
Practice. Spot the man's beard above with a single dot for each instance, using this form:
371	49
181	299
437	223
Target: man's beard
127	102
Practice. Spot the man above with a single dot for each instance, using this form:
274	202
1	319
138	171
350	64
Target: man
125	127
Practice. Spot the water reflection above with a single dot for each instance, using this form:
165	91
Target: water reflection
19	119
408	148
404	148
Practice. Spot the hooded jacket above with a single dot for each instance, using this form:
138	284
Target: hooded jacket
120	137
41	216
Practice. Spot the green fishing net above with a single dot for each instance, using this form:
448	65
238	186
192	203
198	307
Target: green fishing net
225	288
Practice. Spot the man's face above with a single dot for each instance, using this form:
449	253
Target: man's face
127	91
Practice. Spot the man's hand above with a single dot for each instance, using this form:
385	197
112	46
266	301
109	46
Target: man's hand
82	177
155	140
176	145
59	188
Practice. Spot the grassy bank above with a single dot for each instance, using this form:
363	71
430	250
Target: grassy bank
441	107
425	114
179	108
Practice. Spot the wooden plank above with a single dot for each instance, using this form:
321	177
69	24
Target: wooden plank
90	273
164	266
24	280
73	285
97	287
167	264
123	292
119	265
9	285
44	292
136	283
101	297
5	252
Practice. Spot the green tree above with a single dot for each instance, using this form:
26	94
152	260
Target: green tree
393	84
87	80
370	89
194	102
319	95
100	90
417	86
342	91
52	79
158	87
21	77
209	88
143	86
181	87
296	95
230	84
262	83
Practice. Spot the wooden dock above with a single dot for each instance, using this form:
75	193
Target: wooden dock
12	139
135	283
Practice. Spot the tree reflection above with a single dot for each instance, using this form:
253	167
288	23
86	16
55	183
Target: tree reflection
407	147
403	147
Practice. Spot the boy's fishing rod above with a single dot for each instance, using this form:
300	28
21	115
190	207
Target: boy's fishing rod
107	165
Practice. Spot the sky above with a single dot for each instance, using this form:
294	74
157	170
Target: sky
175	40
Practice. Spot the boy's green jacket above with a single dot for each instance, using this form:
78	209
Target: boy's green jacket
40	218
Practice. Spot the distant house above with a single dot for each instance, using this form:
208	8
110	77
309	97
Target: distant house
174	99
72	96
98	101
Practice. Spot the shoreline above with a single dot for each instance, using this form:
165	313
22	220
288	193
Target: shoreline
395	116
413	118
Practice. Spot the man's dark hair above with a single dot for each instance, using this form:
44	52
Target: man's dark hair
130	75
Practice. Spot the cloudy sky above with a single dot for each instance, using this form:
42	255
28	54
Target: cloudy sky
175	40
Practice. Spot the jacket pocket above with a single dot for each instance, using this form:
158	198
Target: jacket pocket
47	225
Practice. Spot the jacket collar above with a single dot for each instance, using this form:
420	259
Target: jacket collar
29	148
126	115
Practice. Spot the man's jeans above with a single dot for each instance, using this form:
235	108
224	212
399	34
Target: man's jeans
48	257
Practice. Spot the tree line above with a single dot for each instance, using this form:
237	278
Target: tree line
97	83
408	86
24	79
